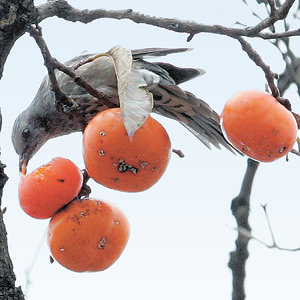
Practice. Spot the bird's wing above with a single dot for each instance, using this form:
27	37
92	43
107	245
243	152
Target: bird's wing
154	52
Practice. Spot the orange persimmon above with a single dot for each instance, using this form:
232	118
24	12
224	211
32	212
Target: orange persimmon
259	126
88	235
50	187
117	162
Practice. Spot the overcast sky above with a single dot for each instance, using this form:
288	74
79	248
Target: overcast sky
181	228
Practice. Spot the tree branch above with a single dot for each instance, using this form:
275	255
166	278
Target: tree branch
8	290
15	17
254	56
51	64
62	9
240	207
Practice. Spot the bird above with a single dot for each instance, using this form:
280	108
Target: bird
42	121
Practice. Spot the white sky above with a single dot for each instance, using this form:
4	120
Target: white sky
181	229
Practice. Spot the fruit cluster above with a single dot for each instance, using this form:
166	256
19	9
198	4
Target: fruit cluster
88	234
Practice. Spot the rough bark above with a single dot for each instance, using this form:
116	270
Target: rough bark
240	207
15	18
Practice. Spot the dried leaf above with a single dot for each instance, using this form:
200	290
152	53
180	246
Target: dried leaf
137	105
136	101
122	59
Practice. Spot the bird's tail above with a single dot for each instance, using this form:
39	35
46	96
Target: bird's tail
192	112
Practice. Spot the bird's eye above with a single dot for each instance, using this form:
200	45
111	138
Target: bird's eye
25	133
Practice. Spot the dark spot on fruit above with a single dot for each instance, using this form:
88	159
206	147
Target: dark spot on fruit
281	149
61	180
102	243
124	167
133	170
101	152
143	164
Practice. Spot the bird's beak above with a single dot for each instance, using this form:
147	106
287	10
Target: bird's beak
23	161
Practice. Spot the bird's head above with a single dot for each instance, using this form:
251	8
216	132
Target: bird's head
29	133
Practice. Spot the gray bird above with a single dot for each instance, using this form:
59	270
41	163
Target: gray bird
42	121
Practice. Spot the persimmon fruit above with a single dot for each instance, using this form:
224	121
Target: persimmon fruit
115	161
259	126
50	187
88	235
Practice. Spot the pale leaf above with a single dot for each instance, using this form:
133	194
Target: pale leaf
136	102
122	59
137	105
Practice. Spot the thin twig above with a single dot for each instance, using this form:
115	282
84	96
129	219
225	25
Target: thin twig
178	152
248	234
61	98
274	244
103	98
51	63
264	207
254	56
292	66
32	264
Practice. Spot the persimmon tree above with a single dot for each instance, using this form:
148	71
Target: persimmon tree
18	17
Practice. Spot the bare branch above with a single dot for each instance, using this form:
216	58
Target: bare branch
264	207
291	73
272	7
63	9
62	99
248	234
8	290
52	64
254	56
178	152
240	207
274	244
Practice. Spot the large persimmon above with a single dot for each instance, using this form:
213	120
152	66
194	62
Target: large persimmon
50	187
259	126
116	161
88	235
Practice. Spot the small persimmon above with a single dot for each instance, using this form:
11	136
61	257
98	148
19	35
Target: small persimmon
50	187
88	235
115	161
259	126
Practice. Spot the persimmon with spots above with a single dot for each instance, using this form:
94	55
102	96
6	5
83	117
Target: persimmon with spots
50	187
115	161
88	235
259	126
